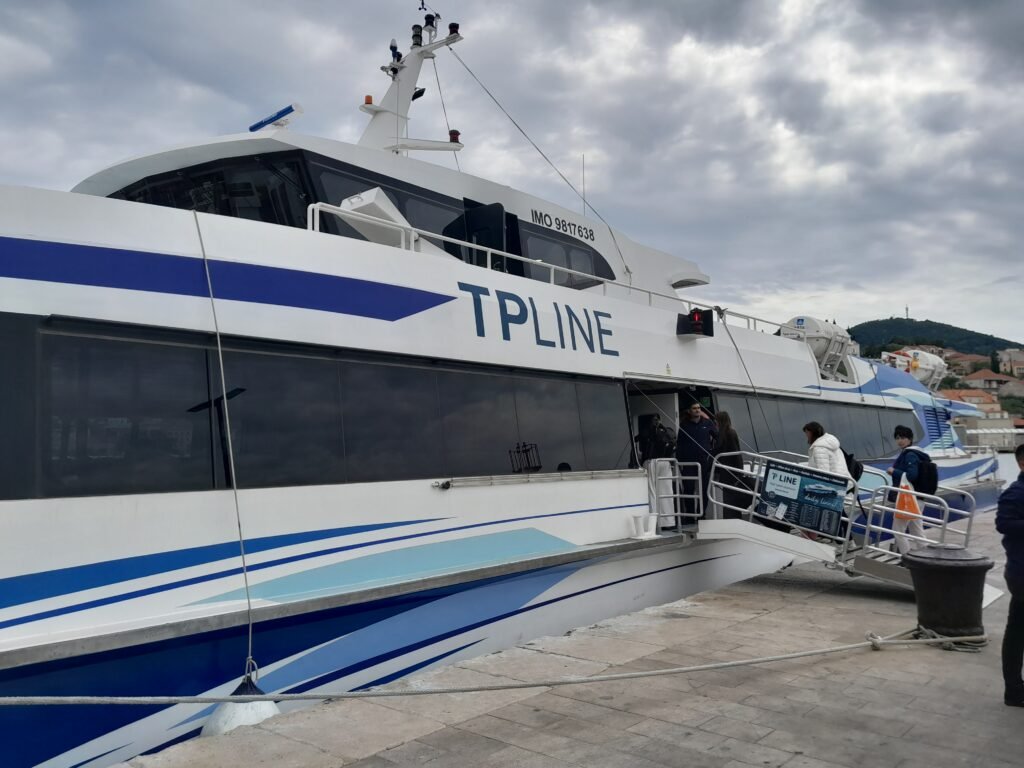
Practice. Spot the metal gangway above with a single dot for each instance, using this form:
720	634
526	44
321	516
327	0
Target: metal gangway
866	537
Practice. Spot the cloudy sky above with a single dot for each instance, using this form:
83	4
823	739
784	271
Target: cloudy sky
830	158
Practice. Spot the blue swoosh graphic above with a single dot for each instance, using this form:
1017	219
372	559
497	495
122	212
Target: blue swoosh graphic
27	588
282	561
184	276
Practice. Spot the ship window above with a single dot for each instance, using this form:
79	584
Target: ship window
121	418
606	440
17	406
392	423
128	410
549	248
864	431
338	183
268	188
285	417
479	420
736	407
792	417
549	419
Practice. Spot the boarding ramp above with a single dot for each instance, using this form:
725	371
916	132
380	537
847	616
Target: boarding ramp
870	528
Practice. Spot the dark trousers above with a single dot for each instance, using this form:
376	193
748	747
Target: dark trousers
1013	640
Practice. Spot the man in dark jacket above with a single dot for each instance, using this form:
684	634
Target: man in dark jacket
1010	523
695	443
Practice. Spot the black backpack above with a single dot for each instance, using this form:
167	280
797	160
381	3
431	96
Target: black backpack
927	474
854	467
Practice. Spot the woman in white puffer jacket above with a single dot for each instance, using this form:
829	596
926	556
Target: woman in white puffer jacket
824	452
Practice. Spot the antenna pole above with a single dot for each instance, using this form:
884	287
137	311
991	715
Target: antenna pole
583	181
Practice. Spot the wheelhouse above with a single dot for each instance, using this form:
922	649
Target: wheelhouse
277	187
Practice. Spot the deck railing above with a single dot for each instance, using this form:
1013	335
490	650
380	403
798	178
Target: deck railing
409	236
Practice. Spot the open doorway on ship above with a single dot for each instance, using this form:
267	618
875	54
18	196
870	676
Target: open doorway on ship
654	403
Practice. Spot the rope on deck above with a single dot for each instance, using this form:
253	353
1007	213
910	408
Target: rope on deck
872	641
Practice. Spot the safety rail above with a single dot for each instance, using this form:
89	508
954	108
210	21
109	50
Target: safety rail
882	508
410	235
669	488
868	519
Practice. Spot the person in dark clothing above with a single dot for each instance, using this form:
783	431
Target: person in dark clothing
909	459
728	441
695	443
905	466
1010	523
655	442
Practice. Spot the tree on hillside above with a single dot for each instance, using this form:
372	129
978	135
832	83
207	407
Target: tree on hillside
975	367
994	360
950	382
1012	405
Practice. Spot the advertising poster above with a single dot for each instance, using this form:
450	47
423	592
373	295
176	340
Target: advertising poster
802	496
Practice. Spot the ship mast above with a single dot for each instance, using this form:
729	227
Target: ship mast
389	122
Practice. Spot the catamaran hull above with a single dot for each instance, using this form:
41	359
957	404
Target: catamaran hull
348	647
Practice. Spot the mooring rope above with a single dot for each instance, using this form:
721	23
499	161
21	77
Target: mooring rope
251	669
873	641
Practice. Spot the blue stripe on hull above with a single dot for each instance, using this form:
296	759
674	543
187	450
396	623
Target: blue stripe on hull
204	661
16	590
235	571
184	276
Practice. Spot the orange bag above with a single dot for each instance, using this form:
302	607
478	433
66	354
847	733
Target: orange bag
906	503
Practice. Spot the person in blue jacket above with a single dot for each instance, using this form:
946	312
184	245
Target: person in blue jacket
906	465
696	443
1010	523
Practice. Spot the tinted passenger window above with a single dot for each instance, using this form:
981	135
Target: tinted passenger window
392	423
479	420
768	427
736	407
793	416
606	440
549	417
285	419
123	417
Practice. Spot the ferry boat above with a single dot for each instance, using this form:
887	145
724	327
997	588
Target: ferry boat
346	414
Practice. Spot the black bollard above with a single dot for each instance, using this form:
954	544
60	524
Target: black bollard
949	582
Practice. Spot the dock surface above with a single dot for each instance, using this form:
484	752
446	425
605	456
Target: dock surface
901	707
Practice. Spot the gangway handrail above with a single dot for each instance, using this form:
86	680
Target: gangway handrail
879	505
757	462
677	493
869	537
409	235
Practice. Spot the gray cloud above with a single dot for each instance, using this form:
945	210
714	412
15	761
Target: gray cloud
811	157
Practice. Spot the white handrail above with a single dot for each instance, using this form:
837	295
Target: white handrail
314	210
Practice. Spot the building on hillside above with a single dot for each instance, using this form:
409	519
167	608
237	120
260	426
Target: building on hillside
988	380
964	364
985	402
995	429
930	349
1011	361
1012	389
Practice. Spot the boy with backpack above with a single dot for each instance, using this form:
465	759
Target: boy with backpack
917	468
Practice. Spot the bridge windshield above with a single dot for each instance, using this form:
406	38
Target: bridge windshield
277	187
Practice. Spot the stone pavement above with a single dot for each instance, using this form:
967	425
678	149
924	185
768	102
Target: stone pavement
896	708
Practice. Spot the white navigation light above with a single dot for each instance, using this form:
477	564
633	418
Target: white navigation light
279	119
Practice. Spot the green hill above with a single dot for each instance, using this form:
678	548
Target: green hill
875	334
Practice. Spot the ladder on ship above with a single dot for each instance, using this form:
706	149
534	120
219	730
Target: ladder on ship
861	540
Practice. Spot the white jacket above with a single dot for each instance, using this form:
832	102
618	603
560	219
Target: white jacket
826	456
